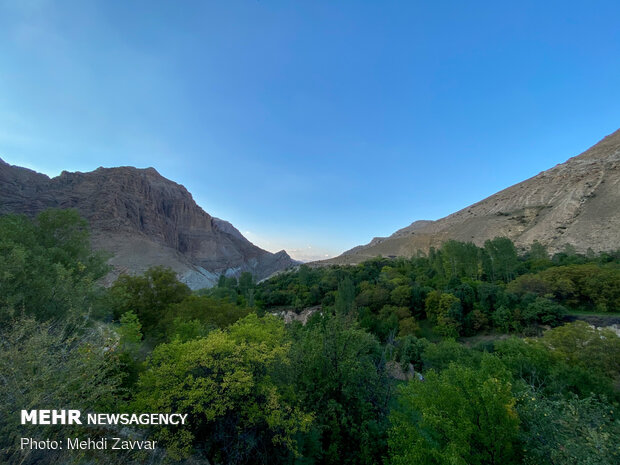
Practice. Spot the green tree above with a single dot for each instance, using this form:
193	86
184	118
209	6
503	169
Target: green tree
502	259
129	345
587	286
46	266
372	296
148	296
129	330
408	326
345	296
432	305
246	284
409	349
578	343
340	373
538	251
439	356
571	431
460	259
445	311
530	364
304	275
544	311
571	361
205	311
60	365
226	382
503	318
402	296
460	416
538	257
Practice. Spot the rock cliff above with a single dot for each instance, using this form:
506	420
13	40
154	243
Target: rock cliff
144	219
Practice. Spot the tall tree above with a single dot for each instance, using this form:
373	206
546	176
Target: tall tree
503	259
340	373
226	382
148	296
345	296
460	415
48	268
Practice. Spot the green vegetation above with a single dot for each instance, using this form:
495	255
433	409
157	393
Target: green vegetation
378	374
459	415
46	267
339	376
227	383
460	289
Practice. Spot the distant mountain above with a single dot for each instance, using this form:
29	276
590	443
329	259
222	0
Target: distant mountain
576	203
144	219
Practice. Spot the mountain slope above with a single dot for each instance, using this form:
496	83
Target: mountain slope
144	219
576	203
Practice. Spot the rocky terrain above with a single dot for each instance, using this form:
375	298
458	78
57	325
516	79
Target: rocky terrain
143	219
576	203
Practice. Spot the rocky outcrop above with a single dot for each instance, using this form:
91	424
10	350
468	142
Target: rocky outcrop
143	219
575	203
290	315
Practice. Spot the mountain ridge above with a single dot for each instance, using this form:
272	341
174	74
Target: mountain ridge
144	219
574	203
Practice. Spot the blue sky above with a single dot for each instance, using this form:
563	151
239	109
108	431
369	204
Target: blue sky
310	125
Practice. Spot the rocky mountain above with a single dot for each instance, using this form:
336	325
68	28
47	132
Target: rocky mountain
576	203
143	219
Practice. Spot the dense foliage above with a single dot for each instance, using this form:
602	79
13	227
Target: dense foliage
463	356
47	268
227	382
460	289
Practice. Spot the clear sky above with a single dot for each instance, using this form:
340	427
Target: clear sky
310	125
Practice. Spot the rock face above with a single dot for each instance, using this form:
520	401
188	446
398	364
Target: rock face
144	219
576	203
